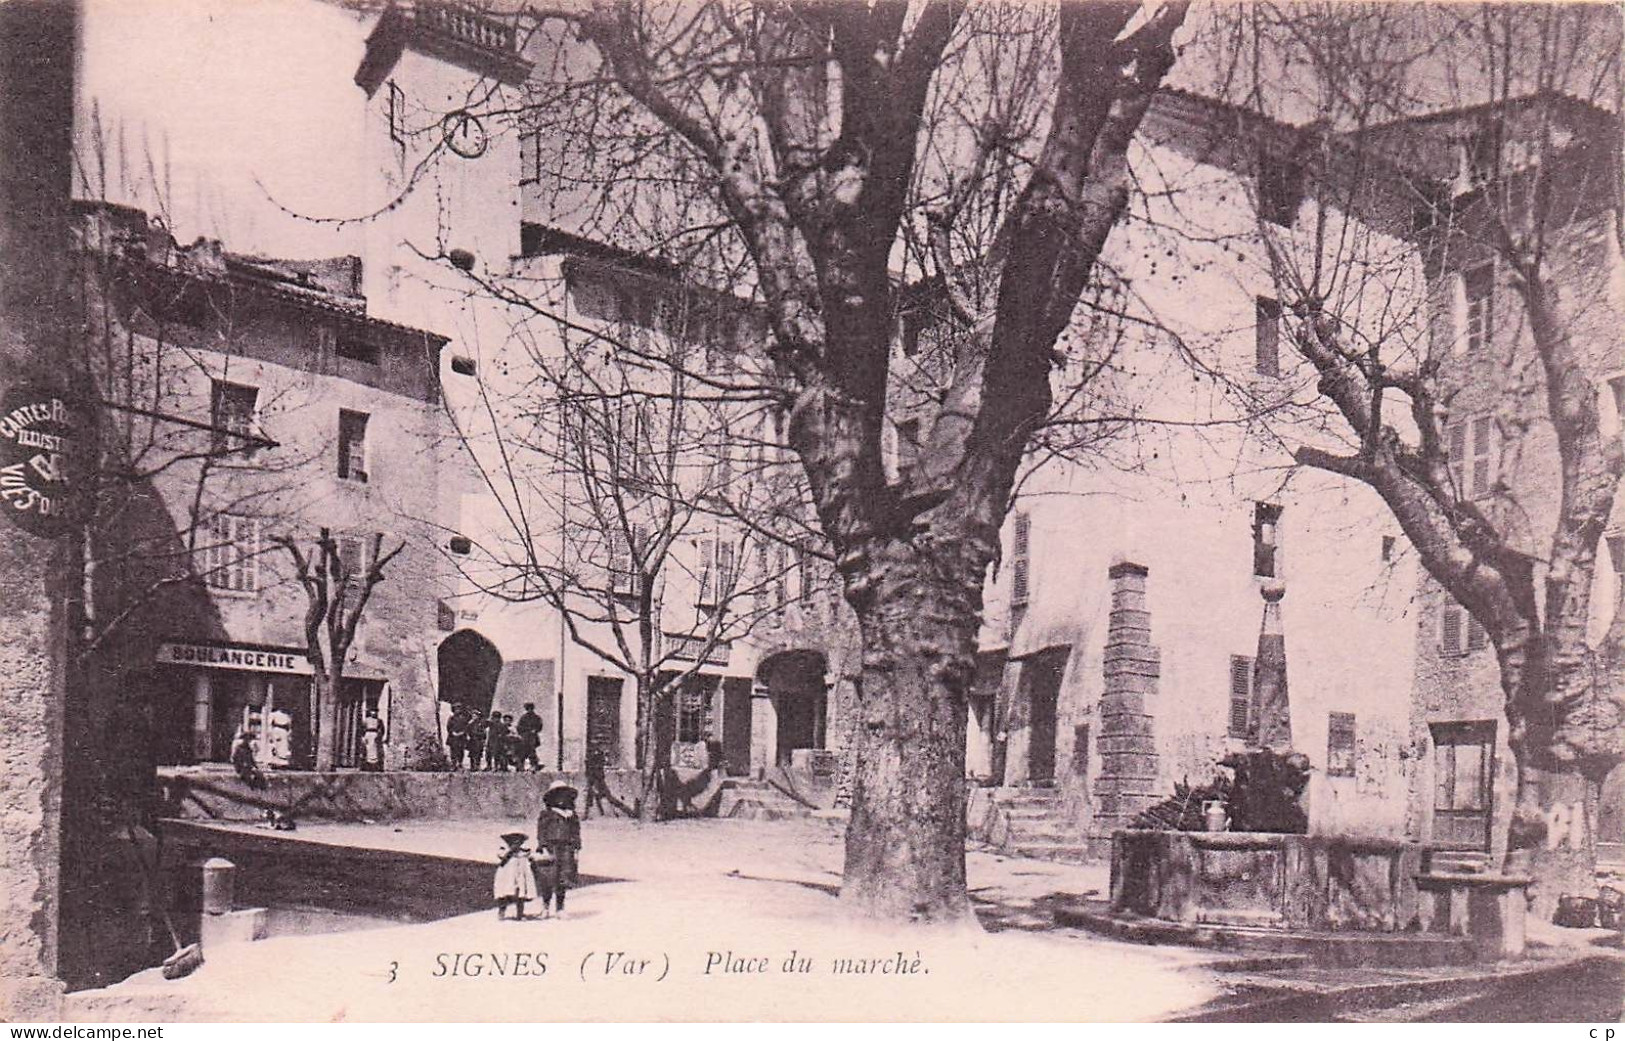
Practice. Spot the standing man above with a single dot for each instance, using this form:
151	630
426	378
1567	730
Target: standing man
495	747
475	741
457	736
530	732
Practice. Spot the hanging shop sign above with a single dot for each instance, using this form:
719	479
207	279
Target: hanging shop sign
250	659
42	443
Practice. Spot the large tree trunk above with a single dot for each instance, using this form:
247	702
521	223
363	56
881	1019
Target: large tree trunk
905	844
654	750
324	690
1564	860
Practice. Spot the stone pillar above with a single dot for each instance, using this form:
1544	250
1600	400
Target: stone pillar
1127	782
764	730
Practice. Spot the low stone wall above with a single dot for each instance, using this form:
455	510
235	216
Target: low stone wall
1259	879
354	796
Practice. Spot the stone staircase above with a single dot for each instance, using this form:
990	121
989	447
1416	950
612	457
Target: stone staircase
748	799
1036	826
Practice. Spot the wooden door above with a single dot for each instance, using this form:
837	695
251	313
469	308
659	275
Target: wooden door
736	725
1041	679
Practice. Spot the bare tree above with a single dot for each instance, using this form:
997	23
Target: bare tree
336	595
1458	332
637	491
799	149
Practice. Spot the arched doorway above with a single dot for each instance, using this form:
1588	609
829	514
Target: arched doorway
469	666
795	682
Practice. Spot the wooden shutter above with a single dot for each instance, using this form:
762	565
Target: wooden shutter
1477	637
1483	460
1267	337
1241	694
1451	635
707	563
1340	744
1455	446
1020	562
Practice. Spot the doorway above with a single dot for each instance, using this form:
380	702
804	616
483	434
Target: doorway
604	720
736	725
795	680
1041	675
468	666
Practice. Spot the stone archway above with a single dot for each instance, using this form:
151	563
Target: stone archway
793	694
468	666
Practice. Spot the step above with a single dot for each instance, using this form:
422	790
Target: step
1067	852
1048	831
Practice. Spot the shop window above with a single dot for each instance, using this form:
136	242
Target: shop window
1471	447
1479	285
1267	336
1459	632
1241	694
231	414
353	446
1463	769
229	553
1340	744
1266	533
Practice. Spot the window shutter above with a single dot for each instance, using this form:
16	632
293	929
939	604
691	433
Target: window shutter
1477	637
1019	575
1455	441
707	558
1450	630
251	546
1483	433
1340	744
1267	337
1241	694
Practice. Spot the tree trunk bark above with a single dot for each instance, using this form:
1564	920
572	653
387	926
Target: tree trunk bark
324	689
905	844
1564	860
654	753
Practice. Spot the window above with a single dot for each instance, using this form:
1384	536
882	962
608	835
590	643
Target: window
625	561
353	565
1280	190
1479	286
1470	445
395	111
1387	548
781	577
722	470
1463	766
1611	410
694	697
1241	694
1021	560
462	365
229	553
1616	551
1266	524
1459	632
461	545
232	416
356	347
908	448
1267	334
717	572
1340	744
353	445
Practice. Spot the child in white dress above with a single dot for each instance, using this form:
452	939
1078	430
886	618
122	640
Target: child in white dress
515	883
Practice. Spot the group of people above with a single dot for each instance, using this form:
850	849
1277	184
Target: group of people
548	872
495	743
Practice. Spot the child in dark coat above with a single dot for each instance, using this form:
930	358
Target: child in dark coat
558	843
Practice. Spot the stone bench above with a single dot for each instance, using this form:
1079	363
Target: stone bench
1489	908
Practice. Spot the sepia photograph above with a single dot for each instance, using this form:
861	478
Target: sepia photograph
812	511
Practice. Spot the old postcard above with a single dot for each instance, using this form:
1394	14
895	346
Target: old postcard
722	510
